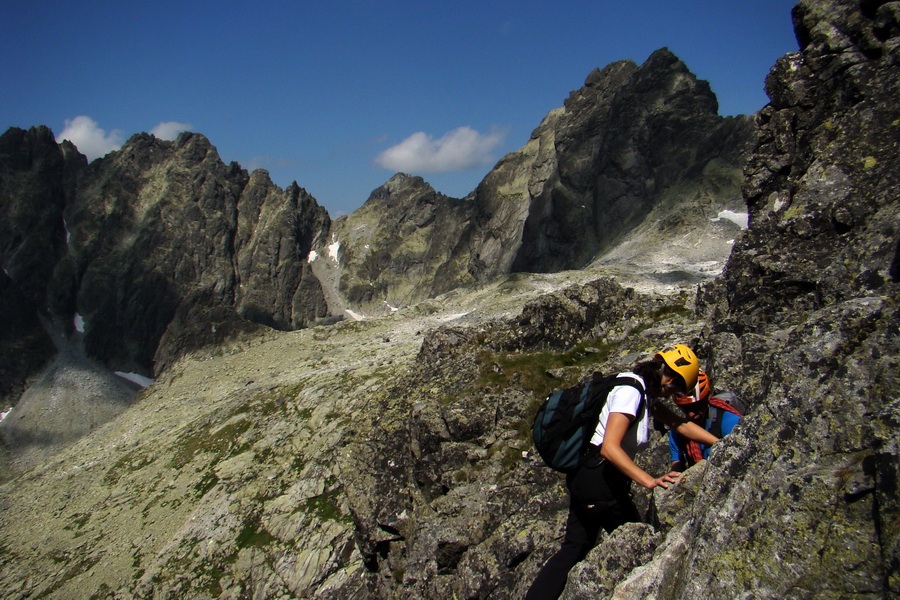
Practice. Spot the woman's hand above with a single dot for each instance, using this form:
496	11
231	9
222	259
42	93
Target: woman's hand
665	480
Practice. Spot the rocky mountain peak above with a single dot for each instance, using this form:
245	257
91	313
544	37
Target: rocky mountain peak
147	230
400	186
23	147
635	138
632	141
612	75
662	72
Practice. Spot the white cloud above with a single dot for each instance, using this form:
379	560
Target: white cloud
169	130
90	140
457	150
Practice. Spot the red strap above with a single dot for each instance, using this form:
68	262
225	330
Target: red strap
719	403
695	454
692	449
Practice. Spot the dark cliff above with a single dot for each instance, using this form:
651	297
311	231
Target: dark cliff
154	233
37	181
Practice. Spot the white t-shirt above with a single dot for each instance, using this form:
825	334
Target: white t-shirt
625	399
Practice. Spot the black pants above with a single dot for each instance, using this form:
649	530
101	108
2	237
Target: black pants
599	498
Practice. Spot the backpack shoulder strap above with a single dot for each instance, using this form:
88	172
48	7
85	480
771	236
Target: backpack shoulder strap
715	421
717	409
604	385
722	404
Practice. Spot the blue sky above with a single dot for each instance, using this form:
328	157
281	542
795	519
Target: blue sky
339	95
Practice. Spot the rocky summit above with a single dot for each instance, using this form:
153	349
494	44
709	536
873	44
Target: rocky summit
637	151
390	457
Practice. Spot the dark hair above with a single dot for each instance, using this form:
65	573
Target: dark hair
650	371
677	379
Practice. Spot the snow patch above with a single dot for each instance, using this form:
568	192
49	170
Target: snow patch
742	220
334	248
453	317
79	323
135	378
393	308
354	316
5	413
313	255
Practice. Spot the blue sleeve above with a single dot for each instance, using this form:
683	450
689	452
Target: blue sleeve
674	452
729	420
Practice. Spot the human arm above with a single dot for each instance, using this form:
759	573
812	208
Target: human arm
611	449
674	454
683	426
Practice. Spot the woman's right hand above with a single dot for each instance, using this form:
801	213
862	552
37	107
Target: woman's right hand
665	480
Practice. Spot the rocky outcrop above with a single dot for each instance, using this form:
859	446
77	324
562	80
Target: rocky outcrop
468	509
809	307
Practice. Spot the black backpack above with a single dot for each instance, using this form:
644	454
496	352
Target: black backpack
567	419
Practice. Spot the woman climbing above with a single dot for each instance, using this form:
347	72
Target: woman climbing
599	490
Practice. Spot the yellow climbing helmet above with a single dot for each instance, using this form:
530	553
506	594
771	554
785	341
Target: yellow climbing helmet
683	361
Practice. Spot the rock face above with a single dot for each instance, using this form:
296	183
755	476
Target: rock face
637	145
36	182
156	250
810	317
391	247
154	230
